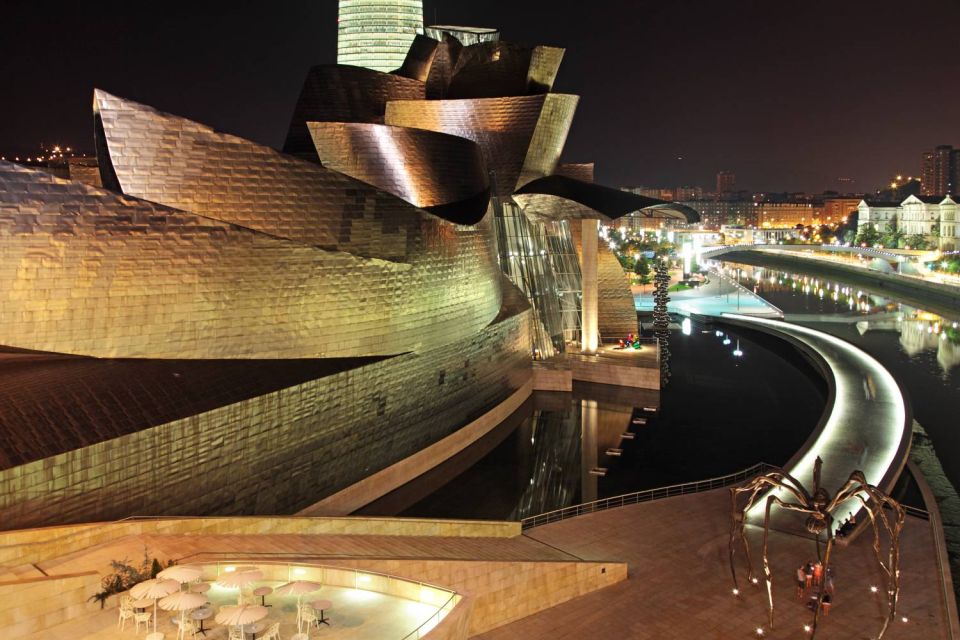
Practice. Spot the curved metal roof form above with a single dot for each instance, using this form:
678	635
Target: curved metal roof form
340	93
491	69
521	137
441	173
560	196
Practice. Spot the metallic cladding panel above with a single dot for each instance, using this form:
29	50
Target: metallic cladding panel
88	272
544	65
296	445
549	138
419	60
338	93
542	206
516	134
441	70
583	171
497	69
424	168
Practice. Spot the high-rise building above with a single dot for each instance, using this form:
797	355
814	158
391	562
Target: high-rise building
927	173
940	171
377	33
726	181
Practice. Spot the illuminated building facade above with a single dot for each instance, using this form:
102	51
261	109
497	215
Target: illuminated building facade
285	325
788	214
377	34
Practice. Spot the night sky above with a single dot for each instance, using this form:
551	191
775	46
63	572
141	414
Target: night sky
789	95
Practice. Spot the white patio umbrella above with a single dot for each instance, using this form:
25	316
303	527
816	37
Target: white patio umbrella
181	573
182	601
297	588
239	615
154	589
239	579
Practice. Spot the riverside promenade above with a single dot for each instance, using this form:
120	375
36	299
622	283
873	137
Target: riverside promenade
679	585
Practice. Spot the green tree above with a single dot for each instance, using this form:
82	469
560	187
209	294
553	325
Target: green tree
642	269
868	235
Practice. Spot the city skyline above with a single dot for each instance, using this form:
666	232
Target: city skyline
673	110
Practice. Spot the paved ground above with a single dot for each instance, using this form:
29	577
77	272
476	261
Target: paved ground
679	584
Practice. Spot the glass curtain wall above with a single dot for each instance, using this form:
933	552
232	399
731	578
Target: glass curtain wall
526	259
566	267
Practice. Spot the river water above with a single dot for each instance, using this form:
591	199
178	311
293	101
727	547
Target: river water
720	413
920	348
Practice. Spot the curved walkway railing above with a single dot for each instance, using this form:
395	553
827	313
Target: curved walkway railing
646	496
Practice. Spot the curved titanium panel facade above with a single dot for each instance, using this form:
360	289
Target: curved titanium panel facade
518	135
419	59
496	69
582	171
425	168
339	93
320	431
88	272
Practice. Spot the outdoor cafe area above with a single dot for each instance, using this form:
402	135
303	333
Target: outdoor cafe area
265	601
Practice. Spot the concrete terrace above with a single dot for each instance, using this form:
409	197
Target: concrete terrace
679	584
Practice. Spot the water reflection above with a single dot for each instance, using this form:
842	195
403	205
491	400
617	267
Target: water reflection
814	299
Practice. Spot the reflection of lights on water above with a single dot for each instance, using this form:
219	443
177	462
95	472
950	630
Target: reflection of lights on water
873	589
737	352
904	619
736	592
726	341
754	580
719	334
807	628
759	631
686	326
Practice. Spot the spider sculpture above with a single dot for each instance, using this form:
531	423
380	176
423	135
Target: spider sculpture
819	508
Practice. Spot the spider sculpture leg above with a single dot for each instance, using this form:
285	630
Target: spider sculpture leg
826	566
777	479
854	489
892	568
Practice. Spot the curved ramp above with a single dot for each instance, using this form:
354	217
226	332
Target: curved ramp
867	426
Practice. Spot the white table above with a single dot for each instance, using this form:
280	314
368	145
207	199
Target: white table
201	614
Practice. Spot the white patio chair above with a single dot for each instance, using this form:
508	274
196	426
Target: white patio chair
308	615
236	633
125	614
143	618
273	633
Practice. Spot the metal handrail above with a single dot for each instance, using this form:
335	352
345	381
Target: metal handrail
416	632
645	496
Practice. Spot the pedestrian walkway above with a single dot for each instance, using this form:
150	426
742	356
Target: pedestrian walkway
679	583
868	426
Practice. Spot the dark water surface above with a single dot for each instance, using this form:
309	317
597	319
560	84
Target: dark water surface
720	413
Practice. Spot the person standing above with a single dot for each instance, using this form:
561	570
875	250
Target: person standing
808	574
801	581
818	574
